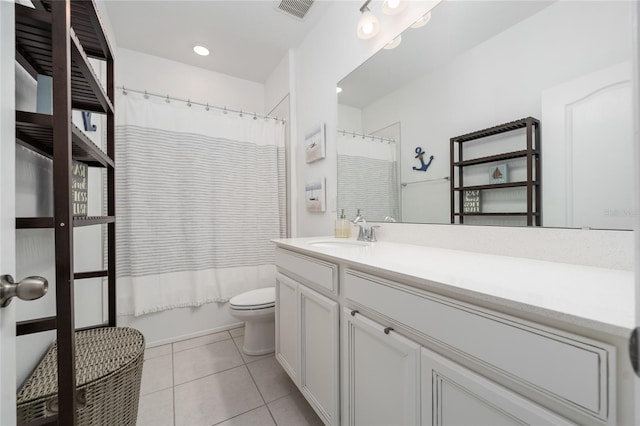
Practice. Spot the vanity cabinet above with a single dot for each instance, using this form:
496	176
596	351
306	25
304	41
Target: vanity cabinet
411	356
454	395
381	374
307	331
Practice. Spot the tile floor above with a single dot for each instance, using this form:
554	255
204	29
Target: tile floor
209	381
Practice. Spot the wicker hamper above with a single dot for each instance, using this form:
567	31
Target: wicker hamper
108	372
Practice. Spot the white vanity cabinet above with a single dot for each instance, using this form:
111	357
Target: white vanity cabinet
454	395
369	347
381	374
307	331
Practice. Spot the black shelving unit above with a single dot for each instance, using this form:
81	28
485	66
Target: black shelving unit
56	39
532	182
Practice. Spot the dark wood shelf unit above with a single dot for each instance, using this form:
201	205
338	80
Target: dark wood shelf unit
56	39
495	214
47	222
35	46
533	169
492	158
90	274
494	186
35	132
36	325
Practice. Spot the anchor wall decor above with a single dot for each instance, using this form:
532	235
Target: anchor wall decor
420	156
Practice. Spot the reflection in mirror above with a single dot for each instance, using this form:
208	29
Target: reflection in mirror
477	65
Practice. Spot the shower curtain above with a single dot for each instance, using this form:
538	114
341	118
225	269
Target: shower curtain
367	177
199	196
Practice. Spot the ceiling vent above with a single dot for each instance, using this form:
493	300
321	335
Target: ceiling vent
295	8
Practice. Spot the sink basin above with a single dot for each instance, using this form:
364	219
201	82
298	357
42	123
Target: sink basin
338	243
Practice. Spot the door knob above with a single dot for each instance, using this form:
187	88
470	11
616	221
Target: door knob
30	288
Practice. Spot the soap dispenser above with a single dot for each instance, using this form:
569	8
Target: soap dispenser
343	226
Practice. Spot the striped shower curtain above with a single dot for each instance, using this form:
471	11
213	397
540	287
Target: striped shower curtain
199	196
367	178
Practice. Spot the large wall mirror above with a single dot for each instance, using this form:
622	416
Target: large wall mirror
480	64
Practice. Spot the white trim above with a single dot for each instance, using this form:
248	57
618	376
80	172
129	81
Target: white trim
176	339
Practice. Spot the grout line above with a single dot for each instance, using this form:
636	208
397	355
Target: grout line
238	415
209	375
173	381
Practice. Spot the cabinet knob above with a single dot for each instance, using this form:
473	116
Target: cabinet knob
387	330
353	313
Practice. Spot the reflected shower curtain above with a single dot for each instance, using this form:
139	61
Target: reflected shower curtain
199	196
368	177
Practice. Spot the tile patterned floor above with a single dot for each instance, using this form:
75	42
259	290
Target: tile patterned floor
209	381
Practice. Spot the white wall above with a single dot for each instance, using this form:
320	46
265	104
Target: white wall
139	71
320	64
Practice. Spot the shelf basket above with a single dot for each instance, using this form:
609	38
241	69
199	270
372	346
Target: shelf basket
108	373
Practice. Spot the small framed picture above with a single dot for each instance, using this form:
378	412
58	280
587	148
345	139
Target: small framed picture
314	192
314	143
498	173
471	201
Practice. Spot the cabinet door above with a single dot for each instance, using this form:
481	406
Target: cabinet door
453	395
319	369
287	334
381	374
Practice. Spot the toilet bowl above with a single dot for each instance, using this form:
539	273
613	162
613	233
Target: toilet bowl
257	309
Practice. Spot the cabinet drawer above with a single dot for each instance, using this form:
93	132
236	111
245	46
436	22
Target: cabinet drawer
570	369
310	270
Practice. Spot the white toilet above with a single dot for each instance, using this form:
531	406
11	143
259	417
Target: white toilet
257	309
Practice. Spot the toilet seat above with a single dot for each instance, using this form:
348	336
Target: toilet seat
262	298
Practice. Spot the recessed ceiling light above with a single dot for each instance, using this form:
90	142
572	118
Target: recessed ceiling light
201	50
338	89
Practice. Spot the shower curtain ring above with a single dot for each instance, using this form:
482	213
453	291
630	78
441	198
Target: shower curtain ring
255	117
124	91
241	114
225	110
189	103
146	95
167	100
207	107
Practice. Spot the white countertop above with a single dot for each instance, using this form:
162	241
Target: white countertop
598	298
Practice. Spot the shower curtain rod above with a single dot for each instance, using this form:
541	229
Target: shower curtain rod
354	134
189	102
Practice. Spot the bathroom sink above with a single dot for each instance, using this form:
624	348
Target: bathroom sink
338	243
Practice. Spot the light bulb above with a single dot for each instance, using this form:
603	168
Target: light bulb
392	7
422	21
338	89
368	25
394	43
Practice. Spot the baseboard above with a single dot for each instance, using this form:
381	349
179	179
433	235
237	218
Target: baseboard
194	335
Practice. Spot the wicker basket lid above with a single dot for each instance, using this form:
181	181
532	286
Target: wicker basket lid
99	352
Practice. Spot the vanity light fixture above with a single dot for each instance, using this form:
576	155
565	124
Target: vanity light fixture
368	24
422	21
201	50
394	43
393	7
338	89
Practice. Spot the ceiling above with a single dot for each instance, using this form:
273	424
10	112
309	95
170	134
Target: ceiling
247	38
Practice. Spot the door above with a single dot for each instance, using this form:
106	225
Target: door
587	151
319	369
381	376
287	333
7	210
453	395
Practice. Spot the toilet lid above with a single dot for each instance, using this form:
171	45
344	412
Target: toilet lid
255	299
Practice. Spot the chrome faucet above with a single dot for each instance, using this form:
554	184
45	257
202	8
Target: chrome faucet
364	233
